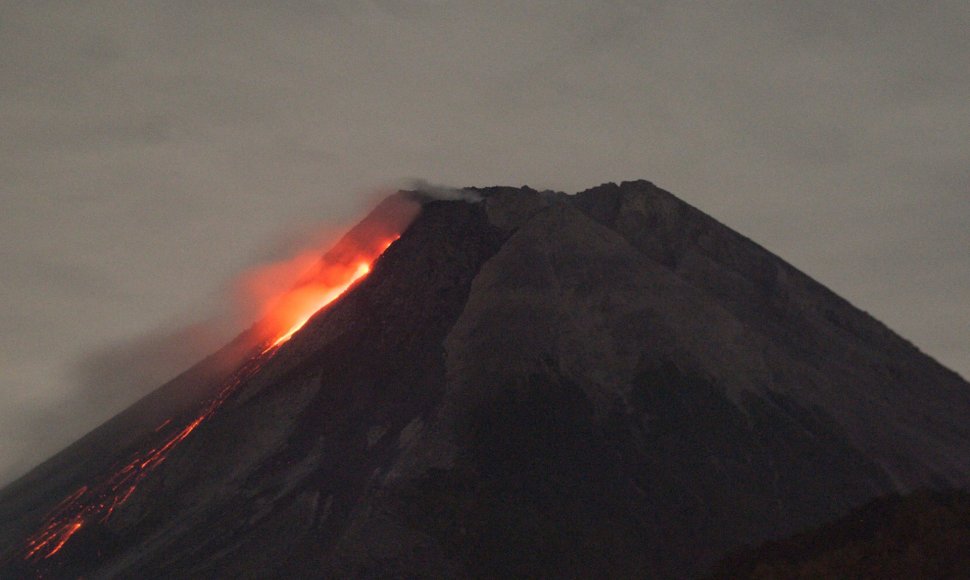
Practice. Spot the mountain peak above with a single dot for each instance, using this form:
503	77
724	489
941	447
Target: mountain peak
534	383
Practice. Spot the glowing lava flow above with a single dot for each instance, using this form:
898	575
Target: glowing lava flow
316	299
94	504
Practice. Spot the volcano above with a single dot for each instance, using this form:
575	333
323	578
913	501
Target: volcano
522	384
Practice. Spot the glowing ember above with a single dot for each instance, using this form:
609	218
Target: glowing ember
282	317
323	281
96	503
55	538
302	303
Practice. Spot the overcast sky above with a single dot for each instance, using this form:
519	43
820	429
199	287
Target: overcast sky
150	151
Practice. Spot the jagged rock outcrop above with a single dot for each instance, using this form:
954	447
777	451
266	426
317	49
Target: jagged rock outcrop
605	384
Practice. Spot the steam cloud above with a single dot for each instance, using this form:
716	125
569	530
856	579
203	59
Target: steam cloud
444	192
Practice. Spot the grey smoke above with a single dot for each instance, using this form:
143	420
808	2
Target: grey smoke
110	378
445	192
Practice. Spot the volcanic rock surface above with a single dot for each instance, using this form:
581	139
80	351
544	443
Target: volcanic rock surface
533	384
920	535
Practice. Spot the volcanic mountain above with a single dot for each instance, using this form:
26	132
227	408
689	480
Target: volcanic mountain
526	384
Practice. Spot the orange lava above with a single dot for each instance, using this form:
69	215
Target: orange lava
57	535
299	305
282	316
95	503
322	282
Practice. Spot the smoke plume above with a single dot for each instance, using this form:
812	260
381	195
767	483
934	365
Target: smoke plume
430	190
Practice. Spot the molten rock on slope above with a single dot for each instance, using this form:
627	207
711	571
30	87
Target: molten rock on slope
610	383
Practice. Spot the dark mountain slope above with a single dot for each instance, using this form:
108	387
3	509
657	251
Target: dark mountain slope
827	352
610	383
922	535
25	502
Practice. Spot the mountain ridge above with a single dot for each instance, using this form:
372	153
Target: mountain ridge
539	383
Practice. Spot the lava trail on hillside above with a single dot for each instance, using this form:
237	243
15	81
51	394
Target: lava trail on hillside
93	504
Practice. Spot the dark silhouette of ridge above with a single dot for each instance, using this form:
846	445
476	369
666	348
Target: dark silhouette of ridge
921	535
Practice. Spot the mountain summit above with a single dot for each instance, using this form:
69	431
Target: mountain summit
526	383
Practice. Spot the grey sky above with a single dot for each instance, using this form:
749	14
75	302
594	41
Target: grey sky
149	151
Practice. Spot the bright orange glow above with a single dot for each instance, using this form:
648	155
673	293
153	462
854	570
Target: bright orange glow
304	302
283	314
57	535
96	503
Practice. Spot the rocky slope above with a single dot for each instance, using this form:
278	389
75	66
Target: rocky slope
922	535
609	383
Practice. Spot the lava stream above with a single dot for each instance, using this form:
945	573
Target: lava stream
94	504
312	299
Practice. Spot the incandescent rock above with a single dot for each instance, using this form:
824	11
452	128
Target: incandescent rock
538	384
